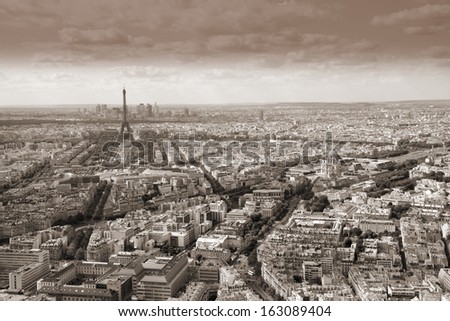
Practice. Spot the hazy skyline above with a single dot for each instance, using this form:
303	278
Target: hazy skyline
197	51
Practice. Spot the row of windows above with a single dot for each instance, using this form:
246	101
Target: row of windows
64	298
74	299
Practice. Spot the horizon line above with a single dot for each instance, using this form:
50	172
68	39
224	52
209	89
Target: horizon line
55	105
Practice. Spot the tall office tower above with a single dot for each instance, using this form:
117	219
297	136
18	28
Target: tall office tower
140	109
155	110
149	110
261	115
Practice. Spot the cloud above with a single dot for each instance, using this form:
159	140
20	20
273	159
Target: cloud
438	52
424	30
60	58
341	51
251	34
37	78
317	39
143	72
258	61
222	73
183	17
237	43
63	55
98	36
180	47
436	12
59	77
262	42
111	36
27	12
140	41
178	30
236	17
429	19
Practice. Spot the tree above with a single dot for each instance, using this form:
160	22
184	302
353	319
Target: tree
305	189
79	217
397	211
252	258
257	268
356	231
250	244
70	253
318	204
410	185
256	217
368	234
347	242
80	254
384	233
384	184
297	279
359	246
165	247
375	153
85	240
402	142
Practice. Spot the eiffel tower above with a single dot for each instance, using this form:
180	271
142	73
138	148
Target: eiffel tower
125	137
125	133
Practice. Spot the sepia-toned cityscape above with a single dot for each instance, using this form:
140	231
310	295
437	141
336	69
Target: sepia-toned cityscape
261	150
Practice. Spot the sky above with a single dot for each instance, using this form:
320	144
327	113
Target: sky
217	51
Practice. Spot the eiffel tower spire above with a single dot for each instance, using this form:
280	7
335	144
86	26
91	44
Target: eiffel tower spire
125	129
